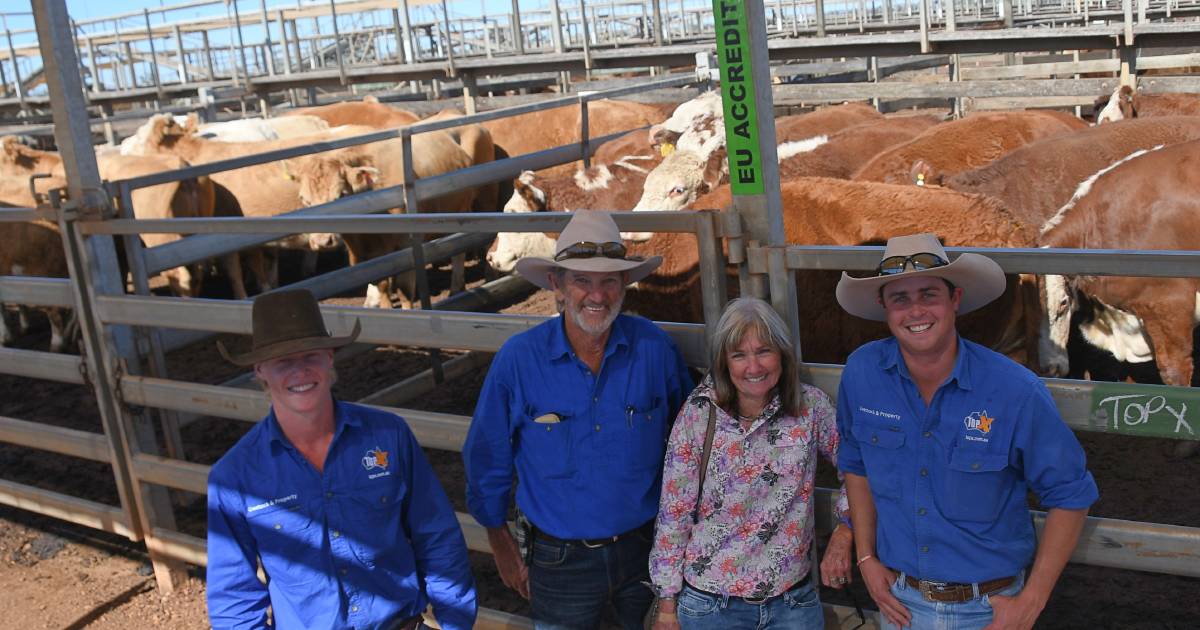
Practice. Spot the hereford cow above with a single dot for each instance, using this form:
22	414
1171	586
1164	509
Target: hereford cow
1148	200
1036	180
698	163
368	113
1124	103
846	151
329	176
962	145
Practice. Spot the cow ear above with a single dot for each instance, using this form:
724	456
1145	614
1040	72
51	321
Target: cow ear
714	170
192	124
663	140
370	99
12	147
363	178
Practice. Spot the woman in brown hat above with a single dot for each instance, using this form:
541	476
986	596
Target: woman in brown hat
336	500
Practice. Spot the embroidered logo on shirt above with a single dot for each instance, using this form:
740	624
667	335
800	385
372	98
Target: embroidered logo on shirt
881	414
979	421
272	503
376	458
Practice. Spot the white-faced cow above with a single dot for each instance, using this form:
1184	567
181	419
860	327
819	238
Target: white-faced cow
1125	103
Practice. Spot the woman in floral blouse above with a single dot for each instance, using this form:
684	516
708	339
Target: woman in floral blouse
742	560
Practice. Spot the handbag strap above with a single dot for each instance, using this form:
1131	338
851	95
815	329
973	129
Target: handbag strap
708	441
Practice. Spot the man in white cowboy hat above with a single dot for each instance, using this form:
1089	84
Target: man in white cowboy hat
335	501
578	407
942	439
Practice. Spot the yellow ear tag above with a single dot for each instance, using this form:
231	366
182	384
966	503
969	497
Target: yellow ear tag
549	418
666	149
920	179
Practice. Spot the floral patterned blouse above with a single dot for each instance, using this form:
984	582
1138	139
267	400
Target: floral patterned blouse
755	521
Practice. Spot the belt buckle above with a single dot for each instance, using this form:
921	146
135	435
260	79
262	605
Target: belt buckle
598	545
928	588
757	601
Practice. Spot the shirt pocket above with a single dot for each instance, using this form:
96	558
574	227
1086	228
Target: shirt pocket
288	541
881	452
547	446
644	442
372	517
975	485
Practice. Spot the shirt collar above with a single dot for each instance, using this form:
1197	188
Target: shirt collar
961	374
560	346
341	419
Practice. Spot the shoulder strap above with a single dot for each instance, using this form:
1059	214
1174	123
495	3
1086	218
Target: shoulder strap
708	441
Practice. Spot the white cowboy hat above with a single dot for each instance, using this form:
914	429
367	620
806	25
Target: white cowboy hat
590	242
981	279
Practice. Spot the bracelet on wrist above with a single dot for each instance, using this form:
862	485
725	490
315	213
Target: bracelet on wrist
864	559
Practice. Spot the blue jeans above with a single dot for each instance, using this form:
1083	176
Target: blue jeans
968	615
570	584
798	608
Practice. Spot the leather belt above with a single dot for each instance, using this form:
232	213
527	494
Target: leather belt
956	593
755	601
595	543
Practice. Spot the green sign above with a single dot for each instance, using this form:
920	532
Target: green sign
737	95
1150	410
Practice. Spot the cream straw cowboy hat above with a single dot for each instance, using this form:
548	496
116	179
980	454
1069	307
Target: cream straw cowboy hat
287	322
981	279
590	242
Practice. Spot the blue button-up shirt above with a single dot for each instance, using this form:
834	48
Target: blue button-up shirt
587	448
371	539
950	479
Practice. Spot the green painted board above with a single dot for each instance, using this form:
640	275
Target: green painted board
737	96
1150	410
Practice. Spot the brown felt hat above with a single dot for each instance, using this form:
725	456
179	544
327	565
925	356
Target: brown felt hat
287	322
586	226
981	279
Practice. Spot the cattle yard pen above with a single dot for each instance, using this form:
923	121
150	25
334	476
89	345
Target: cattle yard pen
124	340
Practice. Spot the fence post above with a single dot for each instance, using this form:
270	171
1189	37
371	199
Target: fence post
337	43
270	49
518	35
416	243
93	266
153	54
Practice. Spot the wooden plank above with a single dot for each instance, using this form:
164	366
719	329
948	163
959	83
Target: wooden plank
32	291
1041	69
829	92
66	507
1159	85
84	444
1038	102
63	368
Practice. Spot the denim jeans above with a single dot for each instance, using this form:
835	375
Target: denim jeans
968	615
798	608
570	584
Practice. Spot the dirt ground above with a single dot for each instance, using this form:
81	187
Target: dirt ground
57	575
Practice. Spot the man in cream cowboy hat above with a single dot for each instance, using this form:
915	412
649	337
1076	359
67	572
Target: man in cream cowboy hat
942	439
335	501
578	407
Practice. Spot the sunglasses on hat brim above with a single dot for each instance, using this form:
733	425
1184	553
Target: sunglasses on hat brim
588	249
921	261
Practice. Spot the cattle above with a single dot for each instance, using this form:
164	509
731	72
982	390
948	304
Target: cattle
194	197
538	131
1034	181
698	163
613	187
846	151
1125	103
1147	200
34	248
241	130
324	178
962	145
477	142
368	113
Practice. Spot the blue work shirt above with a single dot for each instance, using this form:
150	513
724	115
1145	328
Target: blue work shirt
370	540
588	449
950	479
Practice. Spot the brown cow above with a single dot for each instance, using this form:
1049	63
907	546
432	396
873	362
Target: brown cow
34	248
1124	103
962	145
846	151
368	113
1148	200
1036	180
538	131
